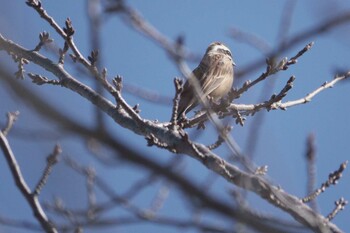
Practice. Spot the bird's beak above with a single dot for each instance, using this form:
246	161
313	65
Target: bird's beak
233	63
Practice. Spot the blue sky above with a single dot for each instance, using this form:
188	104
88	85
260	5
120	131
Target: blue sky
143	64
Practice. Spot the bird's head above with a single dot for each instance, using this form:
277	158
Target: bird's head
221	49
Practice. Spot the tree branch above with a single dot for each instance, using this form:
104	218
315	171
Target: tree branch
32	200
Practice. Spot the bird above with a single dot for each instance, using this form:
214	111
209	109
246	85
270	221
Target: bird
214	74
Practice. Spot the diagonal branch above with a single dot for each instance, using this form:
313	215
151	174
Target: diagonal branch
311	95
32	200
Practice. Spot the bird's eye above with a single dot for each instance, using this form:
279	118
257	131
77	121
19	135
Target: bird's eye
224	51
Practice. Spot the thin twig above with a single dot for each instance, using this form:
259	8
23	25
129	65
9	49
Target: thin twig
117	81
40	80
44	38
62	53
65	33
32	200
52	159
160	198
310	157
220	140
339	205
271	68
90	186
178	90
21	62
332	180
11	118
251	109
311	95
20	224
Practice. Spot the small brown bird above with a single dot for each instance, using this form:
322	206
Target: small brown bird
214	75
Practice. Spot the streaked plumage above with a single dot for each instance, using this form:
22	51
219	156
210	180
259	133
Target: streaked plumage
214	74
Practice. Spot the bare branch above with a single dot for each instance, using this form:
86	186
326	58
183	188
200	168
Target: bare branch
339	205
311	95
40	80
272	68
117	81
220	139
90	185
93	57
310	157
44	38
21	71
251	109
20	224
23	187
294	59
178	90
332	180
51	161
66	33
62	53
11	118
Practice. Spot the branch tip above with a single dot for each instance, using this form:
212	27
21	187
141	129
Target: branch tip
117	82
69	30
40	80
51	160
339	206
93	57
333	179
11	118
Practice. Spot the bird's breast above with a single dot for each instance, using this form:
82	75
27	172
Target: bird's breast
223	88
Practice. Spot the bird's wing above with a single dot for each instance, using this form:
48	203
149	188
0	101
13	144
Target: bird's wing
213	77
210	78
187	100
